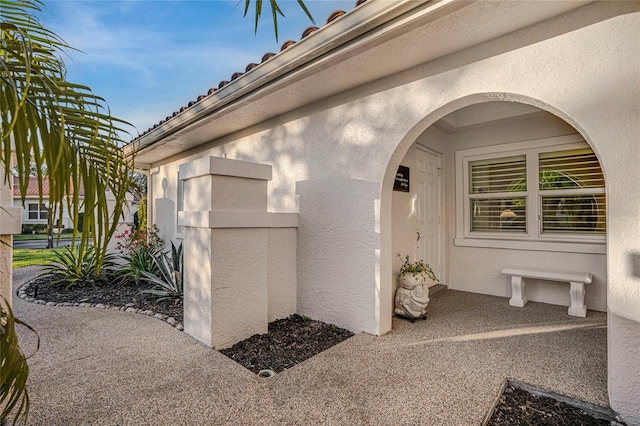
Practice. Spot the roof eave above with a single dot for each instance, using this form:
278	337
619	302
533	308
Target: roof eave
350	26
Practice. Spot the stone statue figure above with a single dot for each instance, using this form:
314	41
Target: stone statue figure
412	299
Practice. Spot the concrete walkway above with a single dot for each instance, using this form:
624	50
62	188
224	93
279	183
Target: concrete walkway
115	368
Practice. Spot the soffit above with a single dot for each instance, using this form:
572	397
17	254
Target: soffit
417	36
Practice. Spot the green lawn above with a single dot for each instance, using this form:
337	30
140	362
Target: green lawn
29	257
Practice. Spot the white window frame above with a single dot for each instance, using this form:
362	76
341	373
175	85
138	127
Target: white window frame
40	210
533	238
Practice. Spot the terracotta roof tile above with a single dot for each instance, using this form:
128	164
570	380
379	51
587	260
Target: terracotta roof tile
287	44
267	56
335	15
306	33
32	187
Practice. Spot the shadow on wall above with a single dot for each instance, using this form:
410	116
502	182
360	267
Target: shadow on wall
165	211
337	243
634	262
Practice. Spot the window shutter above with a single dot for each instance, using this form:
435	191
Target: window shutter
578	204
498	215
498	175
574	214
576	168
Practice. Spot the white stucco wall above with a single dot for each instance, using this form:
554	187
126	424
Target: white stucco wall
10	223
337	152
334	162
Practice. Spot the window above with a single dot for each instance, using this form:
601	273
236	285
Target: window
497	194
37	212
572	192
531	195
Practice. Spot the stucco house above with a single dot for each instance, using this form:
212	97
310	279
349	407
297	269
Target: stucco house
517	128
34	212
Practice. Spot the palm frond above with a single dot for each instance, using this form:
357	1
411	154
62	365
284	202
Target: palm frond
14	371
60	126
275	11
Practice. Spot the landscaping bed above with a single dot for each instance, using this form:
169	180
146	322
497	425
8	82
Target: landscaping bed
109	293
519	407
294	339
288	342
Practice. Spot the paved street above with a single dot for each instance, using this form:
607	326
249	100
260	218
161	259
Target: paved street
40	244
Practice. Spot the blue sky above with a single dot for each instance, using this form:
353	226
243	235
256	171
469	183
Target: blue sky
149	58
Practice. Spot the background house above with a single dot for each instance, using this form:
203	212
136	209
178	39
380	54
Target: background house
311	141
35	211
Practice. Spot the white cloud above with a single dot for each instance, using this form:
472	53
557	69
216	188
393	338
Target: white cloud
149	58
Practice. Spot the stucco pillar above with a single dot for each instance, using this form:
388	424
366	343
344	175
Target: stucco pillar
10	223
238	257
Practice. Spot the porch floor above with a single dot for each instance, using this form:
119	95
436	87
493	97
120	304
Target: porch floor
105	367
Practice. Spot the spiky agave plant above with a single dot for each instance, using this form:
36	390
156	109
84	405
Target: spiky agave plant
74	267
169	283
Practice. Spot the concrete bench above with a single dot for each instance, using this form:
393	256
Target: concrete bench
577	280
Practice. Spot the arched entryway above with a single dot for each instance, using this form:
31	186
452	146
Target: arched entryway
470	132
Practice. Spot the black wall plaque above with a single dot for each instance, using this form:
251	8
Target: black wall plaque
402	179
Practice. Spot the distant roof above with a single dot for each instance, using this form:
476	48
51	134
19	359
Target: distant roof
308	31
32	188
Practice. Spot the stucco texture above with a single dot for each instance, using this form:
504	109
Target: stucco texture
334	163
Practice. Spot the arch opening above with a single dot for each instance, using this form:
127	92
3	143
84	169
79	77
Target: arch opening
553	229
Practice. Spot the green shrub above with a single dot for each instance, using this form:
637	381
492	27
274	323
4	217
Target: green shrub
138	249
137	262
79	268
142	214
31	228
169	283
67	231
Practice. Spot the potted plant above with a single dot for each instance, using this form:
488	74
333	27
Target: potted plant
412	296
414	273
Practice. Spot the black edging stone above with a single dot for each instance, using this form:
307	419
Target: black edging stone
22	294
598	414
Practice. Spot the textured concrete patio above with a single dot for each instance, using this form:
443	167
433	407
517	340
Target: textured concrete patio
114	368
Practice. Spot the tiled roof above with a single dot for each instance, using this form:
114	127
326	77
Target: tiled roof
32	188
306	33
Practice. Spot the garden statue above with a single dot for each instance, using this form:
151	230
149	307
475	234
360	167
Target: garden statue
412	297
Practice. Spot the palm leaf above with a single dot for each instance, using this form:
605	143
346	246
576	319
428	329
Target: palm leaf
14	371
275	11
60	126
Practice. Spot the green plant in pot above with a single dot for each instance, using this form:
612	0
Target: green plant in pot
416	272
412	296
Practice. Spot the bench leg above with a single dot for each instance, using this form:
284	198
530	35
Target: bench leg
517	292
577	308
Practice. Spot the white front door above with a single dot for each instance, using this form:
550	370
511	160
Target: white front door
429	209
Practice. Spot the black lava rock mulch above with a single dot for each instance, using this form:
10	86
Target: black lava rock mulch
288	342
518	407
108	293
